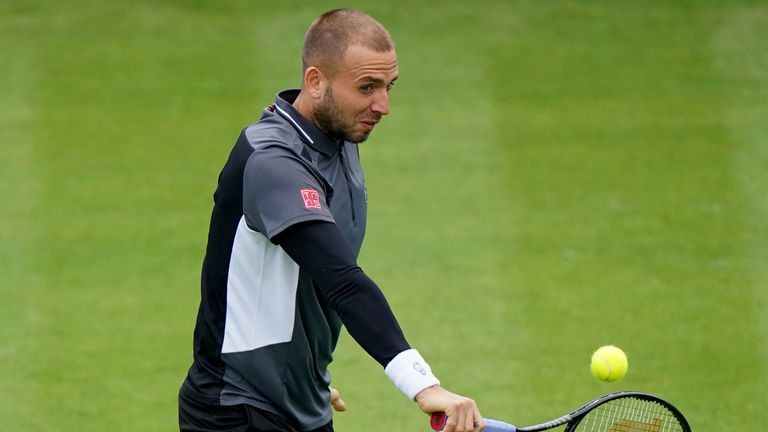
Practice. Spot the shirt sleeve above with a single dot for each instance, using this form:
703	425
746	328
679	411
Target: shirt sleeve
281	189
320	250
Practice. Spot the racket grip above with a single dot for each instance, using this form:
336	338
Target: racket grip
439	419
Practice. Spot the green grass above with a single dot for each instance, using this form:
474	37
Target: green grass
554	176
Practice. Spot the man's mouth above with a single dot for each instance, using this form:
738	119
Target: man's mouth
369	124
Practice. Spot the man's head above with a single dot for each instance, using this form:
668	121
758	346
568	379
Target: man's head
349	65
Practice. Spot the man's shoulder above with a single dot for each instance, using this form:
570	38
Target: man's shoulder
272	131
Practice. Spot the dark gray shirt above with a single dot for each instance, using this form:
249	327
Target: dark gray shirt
267	339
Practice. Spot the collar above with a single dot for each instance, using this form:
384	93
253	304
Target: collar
309	133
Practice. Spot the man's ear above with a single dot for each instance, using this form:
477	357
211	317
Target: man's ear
315	82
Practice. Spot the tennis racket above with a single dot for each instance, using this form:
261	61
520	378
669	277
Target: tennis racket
626	411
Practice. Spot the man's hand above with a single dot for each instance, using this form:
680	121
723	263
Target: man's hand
463	415
336	402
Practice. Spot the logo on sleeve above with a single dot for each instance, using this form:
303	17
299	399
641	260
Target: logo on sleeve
311	199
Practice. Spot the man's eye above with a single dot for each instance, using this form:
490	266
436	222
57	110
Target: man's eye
366	88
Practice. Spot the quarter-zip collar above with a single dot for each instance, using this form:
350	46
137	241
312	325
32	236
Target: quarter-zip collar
309	133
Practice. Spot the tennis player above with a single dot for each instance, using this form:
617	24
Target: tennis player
280	275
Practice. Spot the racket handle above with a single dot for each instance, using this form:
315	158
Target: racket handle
439	419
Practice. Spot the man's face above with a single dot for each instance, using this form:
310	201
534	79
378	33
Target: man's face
357	96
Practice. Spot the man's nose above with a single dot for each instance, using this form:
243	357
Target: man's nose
380	103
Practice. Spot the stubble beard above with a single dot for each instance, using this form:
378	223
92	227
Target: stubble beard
331	119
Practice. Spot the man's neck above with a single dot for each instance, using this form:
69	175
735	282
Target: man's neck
303	106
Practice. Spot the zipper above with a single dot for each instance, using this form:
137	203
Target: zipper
349	184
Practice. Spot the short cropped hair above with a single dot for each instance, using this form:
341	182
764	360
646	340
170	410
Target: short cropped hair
333	32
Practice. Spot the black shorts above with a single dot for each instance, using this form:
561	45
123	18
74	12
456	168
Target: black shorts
196	416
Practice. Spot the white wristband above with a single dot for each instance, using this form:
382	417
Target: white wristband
410	373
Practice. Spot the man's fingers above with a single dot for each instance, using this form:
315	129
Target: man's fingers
466	417
463	414
339	405
479	424
469	423
453	421
457	421
336	402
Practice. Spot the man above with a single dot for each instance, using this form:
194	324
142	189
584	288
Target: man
280	274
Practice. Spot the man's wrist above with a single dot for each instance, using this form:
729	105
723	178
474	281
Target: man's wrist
420	395
410	373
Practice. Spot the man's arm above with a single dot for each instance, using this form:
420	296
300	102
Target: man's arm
319	249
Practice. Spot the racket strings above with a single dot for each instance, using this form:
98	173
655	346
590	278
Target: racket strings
630	415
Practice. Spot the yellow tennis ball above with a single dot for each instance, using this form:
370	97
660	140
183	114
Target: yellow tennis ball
609	363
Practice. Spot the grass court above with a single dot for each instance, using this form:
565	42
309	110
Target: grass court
554	176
